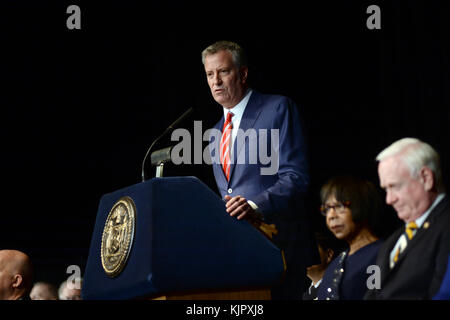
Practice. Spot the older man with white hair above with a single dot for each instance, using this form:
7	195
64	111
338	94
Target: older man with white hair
70	289
413	259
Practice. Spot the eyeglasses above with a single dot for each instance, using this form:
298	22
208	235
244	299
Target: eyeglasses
338	207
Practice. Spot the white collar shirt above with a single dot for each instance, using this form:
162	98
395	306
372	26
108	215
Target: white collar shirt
238	111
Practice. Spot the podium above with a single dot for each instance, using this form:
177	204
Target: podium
180	244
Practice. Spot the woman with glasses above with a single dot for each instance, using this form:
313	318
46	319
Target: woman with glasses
351	208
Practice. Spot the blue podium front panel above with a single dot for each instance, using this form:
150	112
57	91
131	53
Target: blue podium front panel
183	240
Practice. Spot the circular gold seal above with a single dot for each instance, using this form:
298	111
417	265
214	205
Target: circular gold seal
117	237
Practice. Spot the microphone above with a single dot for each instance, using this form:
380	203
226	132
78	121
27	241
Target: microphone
169	128
160	156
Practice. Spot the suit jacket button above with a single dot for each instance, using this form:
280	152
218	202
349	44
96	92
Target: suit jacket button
230	190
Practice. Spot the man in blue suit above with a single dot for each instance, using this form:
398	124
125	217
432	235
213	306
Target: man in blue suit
253	184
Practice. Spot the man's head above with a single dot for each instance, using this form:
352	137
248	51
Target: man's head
16	275
409	172
43	291
226	72
70	290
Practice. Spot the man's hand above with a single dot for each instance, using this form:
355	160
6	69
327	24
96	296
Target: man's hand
238	207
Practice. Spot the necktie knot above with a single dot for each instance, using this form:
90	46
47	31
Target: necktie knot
410	227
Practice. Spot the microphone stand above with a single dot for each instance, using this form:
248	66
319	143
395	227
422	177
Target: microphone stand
148	152
170	128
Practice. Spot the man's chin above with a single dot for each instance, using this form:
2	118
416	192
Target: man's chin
219	99
402	215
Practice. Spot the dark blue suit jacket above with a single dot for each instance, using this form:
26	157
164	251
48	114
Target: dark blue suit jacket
280	196
444	291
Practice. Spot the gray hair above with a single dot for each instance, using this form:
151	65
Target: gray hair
65	283
416	154
61	289
51	289
238	54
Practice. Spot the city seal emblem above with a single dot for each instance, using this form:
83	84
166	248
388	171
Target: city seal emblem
118	234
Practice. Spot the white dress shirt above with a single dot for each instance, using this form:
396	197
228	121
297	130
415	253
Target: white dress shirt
238	111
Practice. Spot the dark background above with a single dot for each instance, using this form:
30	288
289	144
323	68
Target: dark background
81	107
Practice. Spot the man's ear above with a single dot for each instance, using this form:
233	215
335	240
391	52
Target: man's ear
17	281
427	178
244	74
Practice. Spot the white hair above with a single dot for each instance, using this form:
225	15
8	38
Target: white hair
416	154
65	284
61	289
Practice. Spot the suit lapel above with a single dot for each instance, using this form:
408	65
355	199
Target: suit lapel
412	243
387	255
251	113
423	230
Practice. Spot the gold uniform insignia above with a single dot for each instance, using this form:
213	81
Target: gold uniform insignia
118	234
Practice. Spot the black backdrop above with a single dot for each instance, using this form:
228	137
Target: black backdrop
80	107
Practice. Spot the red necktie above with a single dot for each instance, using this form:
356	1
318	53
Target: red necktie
225	145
